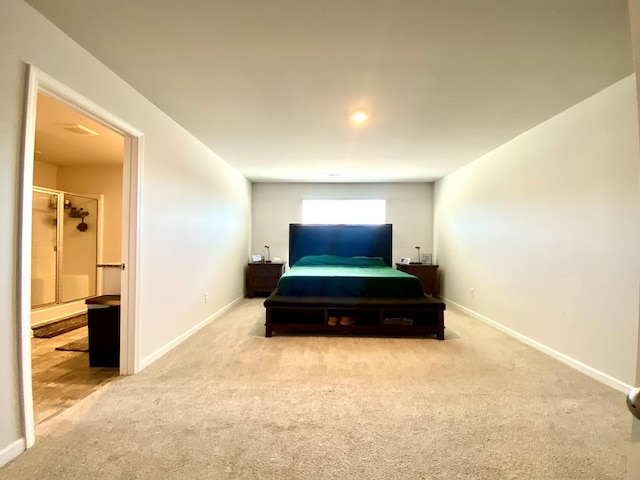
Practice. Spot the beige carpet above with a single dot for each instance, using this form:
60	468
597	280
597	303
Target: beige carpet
232	404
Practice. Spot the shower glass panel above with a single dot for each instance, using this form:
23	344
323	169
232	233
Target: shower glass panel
44	249
64	248
80	253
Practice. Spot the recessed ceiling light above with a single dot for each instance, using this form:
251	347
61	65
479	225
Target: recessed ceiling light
80	130
359	116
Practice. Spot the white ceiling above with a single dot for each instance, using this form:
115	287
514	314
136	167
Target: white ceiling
268	85
56	145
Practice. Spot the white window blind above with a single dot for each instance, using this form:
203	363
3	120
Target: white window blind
344	211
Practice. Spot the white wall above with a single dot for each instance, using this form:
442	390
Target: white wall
195	208
276	205
546	229
45	174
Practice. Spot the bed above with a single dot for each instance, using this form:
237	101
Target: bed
341	282
336	276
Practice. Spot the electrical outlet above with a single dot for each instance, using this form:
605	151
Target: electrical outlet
473	293
206	298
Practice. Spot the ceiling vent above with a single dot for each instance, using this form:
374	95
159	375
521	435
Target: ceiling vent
80	130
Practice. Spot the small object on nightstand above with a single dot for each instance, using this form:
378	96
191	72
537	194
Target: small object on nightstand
425	259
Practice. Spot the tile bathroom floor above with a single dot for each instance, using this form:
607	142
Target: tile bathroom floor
61	378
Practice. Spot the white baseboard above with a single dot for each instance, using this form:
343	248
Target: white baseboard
178	340
572	362
12	451
47	315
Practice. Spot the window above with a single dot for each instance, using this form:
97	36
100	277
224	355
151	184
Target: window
344	211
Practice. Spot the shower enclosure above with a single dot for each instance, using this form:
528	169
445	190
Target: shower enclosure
64	249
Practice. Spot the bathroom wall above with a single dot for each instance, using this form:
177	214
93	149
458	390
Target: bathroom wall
105	180
45	174
90	180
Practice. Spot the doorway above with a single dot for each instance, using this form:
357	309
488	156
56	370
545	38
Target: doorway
78	285
76	226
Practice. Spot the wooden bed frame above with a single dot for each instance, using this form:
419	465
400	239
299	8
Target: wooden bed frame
388	316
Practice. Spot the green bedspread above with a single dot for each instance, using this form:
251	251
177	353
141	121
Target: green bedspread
330	276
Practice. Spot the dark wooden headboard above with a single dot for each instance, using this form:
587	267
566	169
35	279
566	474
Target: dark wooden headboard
342	240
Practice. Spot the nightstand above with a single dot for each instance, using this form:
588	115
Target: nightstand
427	274
263	277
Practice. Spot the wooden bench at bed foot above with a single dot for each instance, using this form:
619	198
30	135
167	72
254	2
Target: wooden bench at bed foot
344	315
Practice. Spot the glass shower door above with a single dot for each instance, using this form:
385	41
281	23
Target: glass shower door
44	249
80	252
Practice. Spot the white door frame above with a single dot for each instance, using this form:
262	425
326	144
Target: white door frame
633	453
38	81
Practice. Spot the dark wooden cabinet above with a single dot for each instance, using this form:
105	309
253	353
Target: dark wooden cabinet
427	274
263	277
103	324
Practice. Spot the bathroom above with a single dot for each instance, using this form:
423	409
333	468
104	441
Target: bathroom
76	214
76	239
